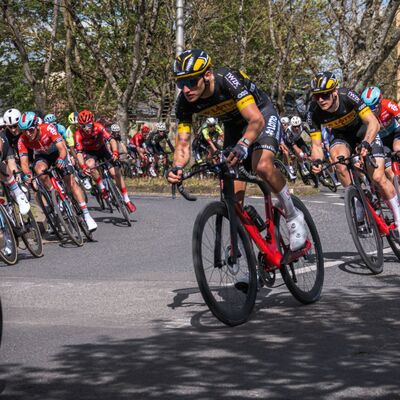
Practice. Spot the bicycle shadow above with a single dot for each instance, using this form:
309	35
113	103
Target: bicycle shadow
116	221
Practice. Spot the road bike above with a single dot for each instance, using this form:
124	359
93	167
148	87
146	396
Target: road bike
57	206
24	226
222	246
115	197
367	215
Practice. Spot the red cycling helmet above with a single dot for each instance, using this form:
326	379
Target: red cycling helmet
85	117
145	129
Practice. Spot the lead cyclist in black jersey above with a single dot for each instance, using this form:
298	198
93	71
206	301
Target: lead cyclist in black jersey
352	125
251	123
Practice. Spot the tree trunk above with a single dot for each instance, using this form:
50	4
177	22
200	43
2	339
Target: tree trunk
122	118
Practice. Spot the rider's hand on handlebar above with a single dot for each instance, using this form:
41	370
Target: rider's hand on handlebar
86	169
364	148
175	175
115	155
60	163
238	153
317	166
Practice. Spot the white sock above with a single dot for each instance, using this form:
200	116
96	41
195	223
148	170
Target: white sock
395	207
287	203
126	197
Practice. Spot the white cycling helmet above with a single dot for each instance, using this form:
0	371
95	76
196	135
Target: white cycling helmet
115	128
211	121
2	123
161	126
39	120
285	120
12	116
295	121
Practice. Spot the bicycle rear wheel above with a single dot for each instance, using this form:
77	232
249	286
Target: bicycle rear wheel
8	243
67	217
48	210
32	236
305	277
365	233
215	274
119	201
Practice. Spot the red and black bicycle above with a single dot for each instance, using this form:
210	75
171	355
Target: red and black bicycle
223	253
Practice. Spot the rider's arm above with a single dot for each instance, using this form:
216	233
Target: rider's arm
182	148
373	126
316	137
62	149
24	160
252	114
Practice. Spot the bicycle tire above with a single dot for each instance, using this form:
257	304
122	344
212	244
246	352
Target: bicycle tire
327	180
375	264
67	213
37	249
228	304
50	214
305	277
7	237
282	167
119	202
81	220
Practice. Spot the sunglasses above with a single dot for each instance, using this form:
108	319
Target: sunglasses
31	129
86	126
189	82
323	96
13	126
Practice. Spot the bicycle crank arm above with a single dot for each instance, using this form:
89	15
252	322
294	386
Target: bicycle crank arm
291	256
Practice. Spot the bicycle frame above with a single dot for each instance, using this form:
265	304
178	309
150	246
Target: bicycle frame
268	245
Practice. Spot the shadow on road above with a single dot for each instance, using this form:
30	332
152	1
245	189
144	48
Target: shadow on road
343	349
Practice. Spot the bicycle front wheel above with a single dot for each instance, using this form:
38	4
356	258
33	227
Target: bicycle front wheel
8	244
67	218
32	236
363	230
326	178
218	278
305	277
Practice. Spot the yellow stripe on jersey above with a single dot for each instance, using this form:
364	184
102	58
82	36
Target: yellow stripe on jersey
365	111
184	128
219	109
342	121
242	103
316	135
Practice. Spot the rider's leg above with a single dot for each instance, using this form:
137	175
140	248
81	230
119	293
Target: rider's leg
116	174
80	198
263	164
341	149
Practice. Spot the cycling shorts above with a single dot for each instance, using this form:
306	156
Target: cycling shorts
99	155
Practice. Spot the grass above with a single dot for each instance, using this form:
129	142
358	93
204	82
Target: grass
207	186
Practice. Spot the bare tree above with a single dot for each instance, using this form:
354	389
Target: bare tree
365	35
39	84
124	87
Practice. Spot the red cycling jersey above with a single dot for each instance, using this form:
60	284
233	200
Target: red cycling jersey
45	142
137	139
92	141
389	109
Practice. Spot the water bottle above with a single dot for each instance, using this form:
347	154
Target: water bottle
255	217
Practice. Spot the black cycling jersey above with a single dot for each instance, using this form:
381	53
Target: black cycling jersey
233	91
12	143
344	122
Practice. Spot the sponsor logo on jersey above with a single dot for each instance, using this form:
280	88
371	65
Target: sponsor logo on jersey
232	80
392	106
343	121
52	129
242	94
354	96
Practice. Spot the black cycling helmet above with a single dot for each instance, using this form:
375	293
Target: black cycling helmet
191	63
324	82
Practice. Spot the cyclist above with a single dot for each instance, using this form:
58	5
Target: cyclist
353	126
388	114
153	144
11	117
136	149
206	141
116	134
2	124
285	121
287	154
49	150
295	143
251	123
90	144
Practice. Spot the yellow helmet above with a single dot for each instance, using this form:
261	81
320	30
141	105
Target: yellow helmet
73	118
191	63
324	82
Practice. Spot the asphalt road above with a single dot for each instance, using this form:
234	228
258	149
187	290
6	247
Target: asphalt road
122	318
